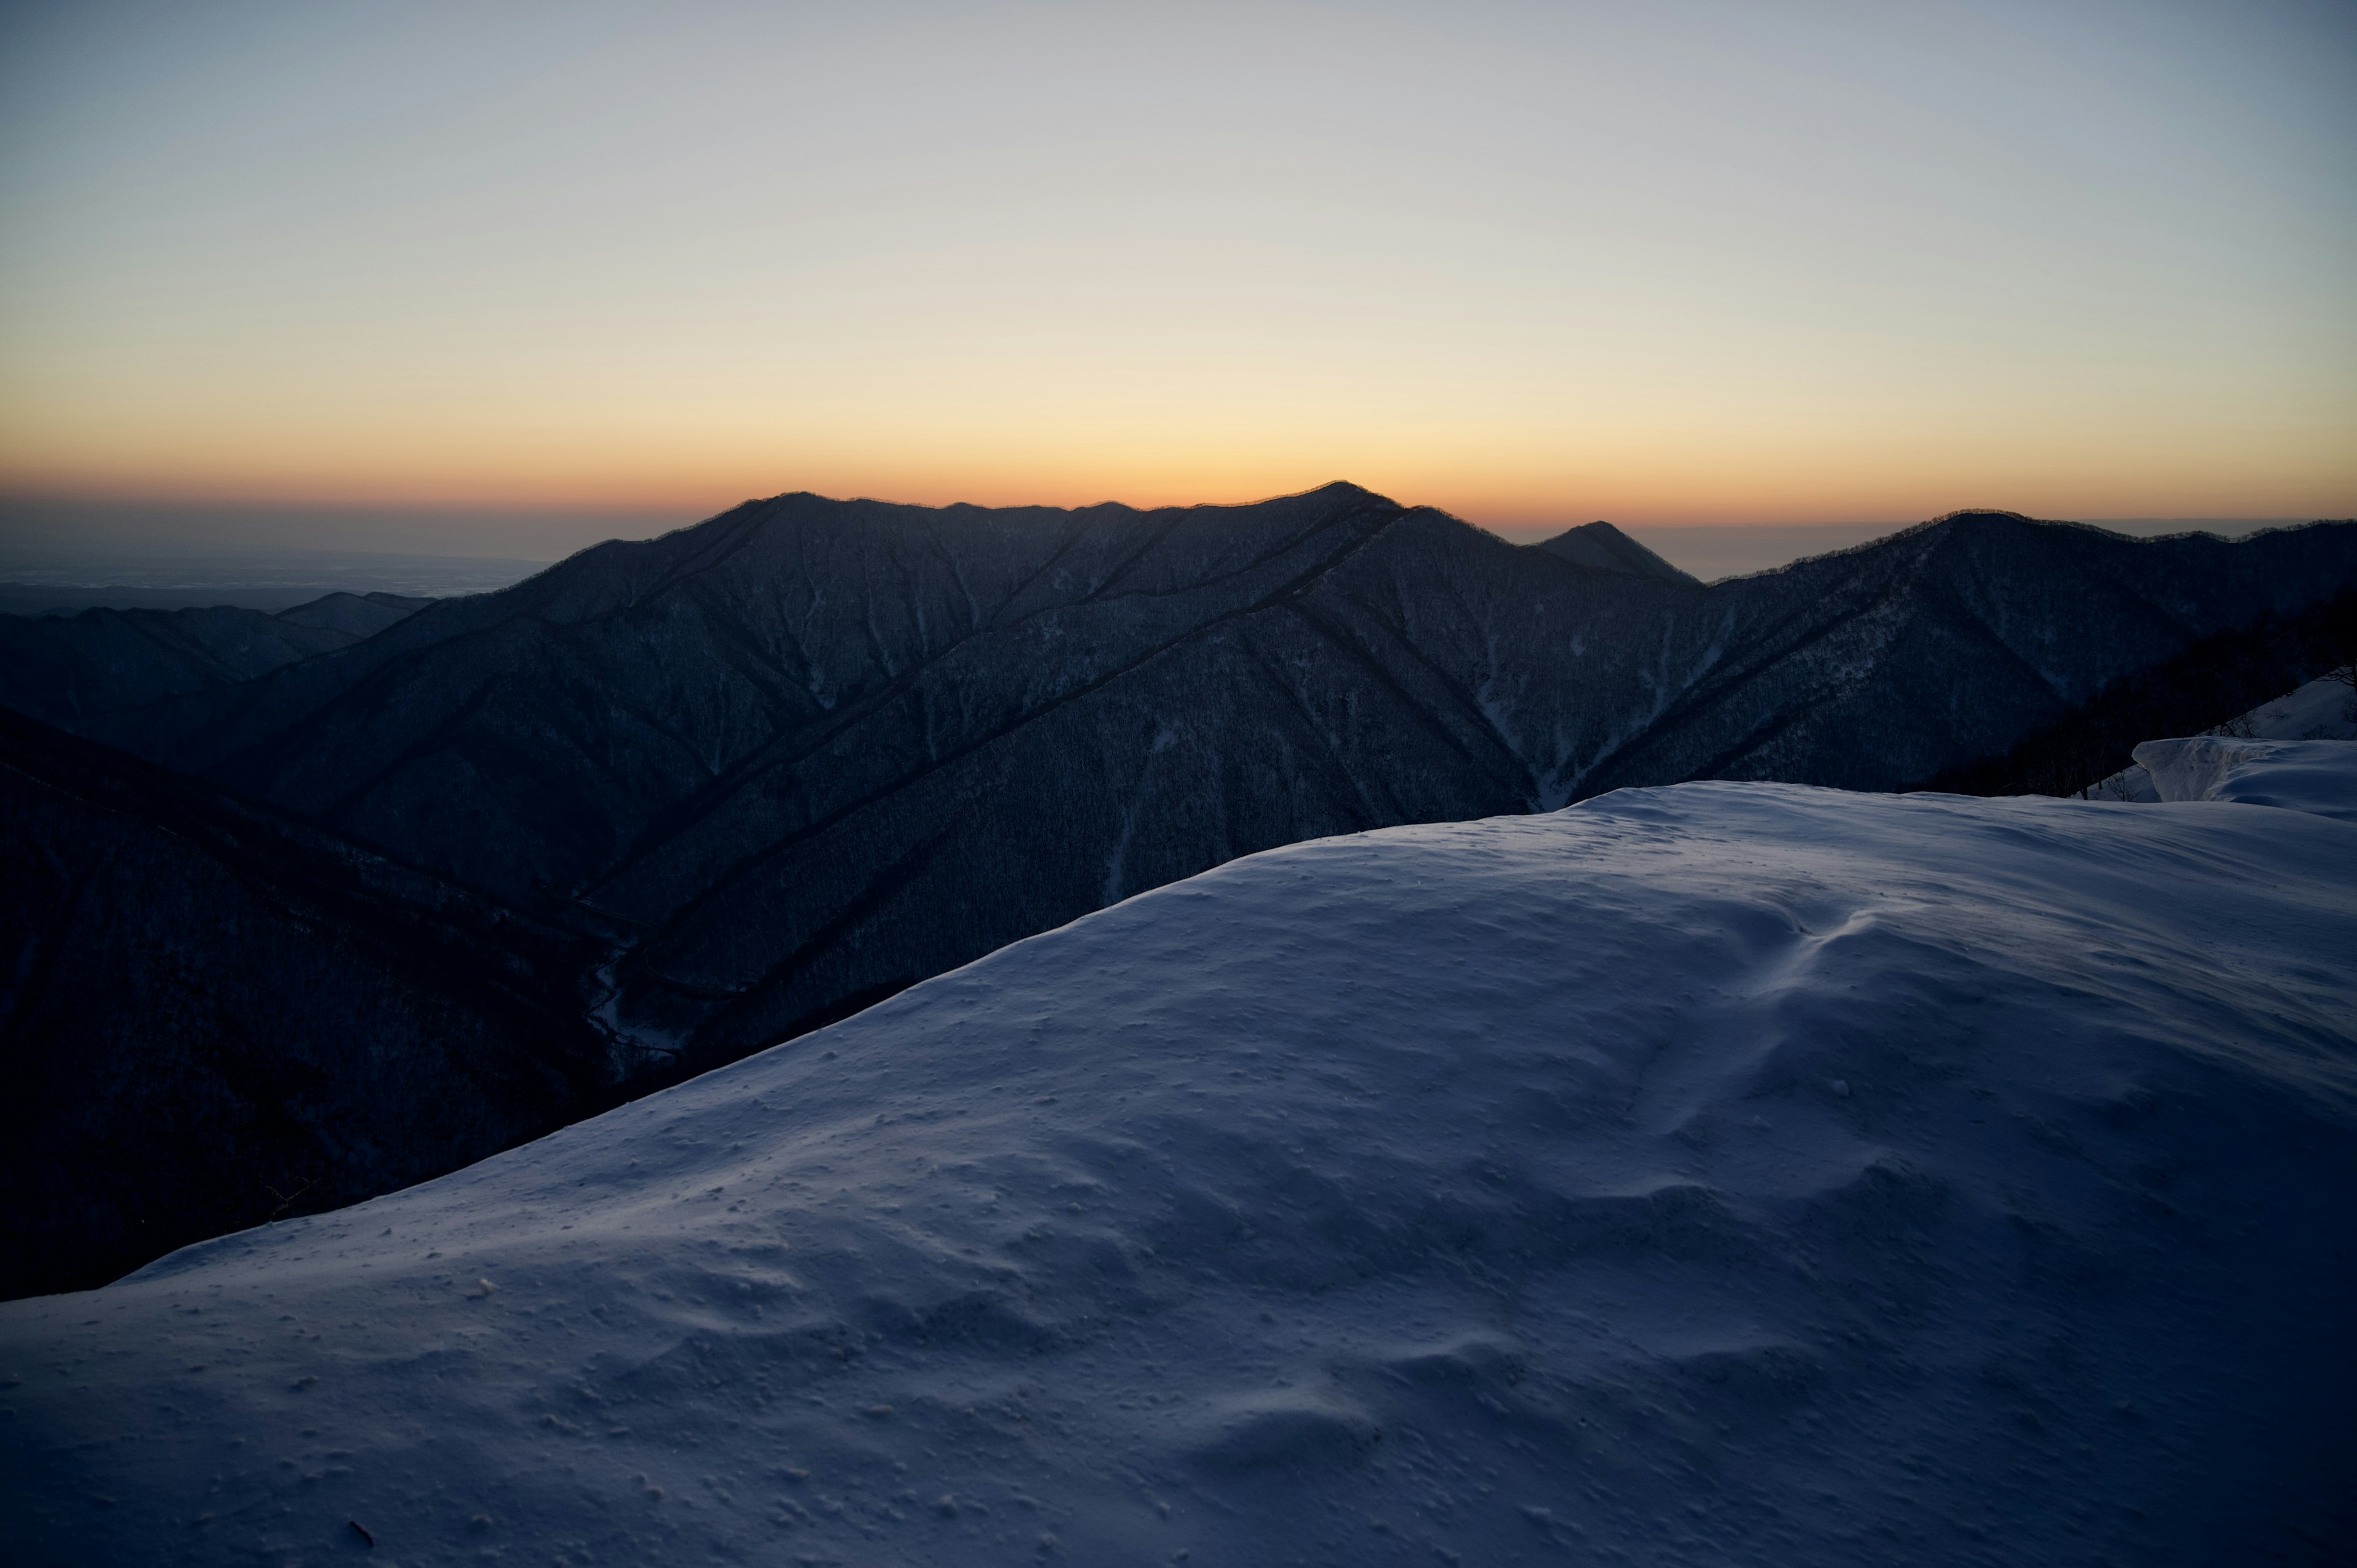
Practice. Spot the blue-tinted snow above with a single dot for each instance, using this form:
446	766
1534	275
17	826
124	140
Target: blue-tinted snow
1714	1174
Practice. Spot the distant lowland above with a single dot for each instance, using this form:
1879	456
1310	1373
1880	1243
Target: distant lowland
322	898
57	583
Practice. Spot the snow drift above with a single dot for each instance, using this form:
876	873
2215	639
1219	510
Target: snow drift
2295	775
2324	709
1712	1174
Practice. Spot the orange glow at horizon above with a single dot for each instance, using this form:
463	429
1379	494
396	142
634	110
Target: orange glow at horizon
1730	475
1586	262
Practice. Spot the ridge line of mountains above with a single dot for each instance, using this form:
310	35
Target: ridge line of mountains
701	793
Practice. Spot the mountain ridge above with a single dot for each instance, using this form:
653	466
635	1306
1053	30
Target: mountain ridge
772	735
763	772
76	668
217	1016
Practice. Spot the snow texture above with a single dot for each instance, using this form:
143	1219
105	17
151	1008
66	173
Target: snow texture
1715	1174
2317	776
2130	783
2324	709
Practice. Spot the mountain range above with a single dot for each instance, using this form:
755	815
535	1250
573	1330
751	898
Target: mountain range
754	774
70	668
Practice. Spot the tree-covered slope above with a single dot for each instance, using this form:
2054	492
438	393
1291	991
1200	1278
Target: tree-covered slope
812	751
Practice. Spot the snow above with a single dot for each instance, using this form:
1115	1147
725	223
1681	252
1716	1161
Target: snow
2130	783
2317	776
2324	709
1718	1174
2295	753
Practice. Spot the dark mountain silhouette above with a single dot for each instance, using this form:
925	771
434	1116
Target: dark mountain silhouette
214	1017
770	768
72	669
812	751
355	614
1604	548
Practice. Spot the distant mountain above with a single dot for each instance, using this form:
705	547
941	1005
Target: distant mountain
1604	548
73	669
446	885
214	1017
355	614
812	751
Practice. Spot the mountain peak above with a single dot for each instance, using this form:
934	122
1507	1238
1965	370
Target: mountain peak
1600	547
1984	514
1340	490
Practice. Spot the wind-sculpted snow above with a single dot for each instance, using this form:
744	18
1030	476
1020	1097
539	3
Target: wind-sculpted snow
2319	776
1726	1173
2323	709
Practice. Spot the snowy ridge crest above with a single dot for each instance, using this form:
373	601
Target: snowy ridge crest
1809	1169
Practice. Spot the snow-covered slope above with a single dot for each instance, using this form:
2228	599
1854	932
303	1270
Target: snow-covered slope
1714	1174
2324	709
2318	776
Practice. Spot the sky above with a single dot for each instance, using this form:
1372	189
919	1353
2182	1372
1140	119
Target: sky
1666	263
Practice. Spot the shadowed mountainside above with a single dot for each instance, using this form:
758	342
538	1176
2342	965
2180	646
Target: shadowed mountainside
214	1017
811	751
2210	684
72	669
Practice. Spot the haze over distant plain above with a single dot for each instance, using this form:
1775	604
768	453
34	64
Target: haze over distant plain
1668	263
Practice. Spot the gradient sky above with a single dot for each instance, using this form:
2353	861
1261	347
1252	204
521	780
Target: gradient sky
1535	263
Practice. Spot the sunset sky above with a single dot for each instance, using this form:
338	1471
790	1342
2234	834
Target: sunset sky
1536	264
